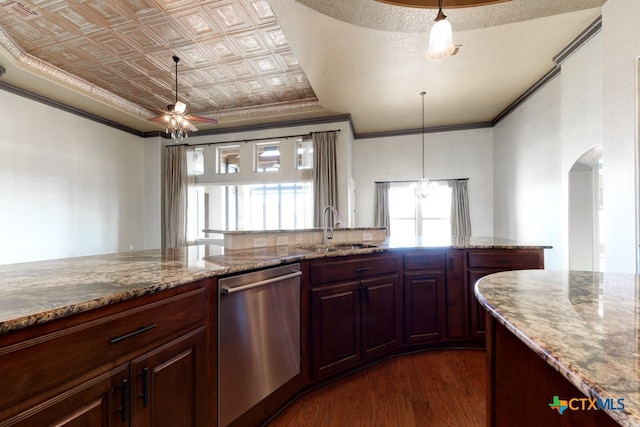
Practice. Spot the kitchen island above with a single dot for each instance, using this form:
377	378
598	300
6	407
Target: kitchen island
116	336
562	347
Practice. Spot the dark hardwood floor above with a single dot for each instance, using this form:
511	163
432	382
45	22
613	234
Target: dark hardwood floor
431	388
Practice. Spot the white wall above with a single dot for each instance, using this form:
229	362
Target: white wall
68	186
457	154
153	192
621	49
535	147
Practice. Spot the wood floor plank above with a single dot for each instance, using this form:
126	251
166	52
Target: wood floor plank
431	388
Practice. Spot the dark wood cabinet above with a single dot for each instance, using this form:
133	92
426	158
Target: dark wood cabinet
168	384
380	315
137	363
456	296
353	320
335	327
482	262
424	296
99	402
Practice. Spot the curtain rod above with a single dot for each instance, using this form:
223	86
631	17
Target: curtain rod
443	179
257	139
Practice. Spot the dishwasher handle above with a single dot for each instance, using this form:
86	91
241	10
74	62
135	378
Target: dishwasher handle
226	290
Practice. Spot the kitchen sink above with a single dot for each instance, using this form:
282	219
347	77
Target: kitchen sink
339	247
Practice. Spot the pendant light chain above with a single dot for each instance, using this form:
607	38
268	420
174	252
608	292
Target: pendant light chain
423	94
176	60
423	188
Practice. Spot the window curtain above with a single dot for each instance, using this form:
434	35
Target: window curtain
460	217
382	206
325	180
179	191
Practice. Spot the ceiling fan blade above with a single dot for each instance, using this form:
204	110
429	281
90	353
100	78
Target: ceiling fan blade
159	119
202	119
190	126
180	107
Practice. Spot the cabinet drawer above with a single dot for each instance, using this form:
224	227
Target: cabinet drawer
507	260
48	364
424	260
350	269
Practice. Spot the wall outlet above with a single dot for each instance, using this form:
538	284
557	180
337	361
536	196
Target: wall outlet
282	240
367	236
259	242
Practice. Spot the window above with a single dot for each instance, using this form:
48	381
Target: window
304	153
270	190
267	157
428	217
228	159
198	161
283	206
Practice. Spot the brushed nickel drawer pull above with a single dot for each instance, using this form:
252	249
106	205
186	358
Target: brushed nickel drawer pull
132	334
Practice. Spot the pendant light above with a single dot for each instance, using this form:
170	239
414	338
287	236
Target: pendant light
422	188
441	38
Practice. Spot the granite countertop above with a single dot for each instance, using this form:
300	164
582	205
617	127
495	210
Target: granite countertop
584	324
38	292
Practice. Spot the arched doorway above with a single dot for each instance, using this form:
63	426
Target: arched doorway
586	250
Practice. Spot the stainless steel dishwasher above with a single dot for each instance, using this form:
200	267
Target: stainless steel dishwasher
258	337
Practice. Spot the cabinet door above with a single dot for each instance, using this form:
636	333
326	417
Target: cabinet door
100	402
424	308
169	384
381	322
456	294
335	328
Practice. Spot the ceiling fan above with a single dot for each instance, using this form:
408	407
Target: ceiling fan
176	120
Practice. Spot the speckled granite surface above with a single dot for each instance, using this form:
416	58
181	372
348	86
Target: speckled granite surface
585	325
38	292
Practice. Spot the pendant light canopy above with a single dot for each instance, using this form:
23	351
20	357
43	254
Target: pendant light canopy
441	38
423	187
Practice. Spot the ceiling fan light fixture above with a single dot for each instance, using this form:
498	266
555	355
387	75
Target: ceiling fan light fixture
440	38
176	120
180	107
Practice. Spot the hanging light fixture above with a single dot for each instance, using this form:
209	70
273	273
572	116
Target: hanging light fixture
176	123
423	187
441	38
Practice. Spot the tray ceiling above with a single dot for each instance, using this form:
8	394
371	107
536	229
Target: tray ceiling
235	58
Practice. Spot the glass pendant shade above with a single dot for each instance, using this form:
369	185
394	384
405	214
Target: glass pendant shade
440	41
422	188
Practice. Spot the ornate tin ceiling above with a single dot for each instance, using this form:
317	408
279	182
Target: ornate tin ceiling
235	58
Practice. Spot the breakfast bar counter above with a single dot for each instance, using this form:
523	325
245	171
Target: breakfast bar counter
563	347
38	292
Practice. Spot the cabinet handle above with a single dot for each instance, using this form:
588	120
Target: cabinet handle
132	334
124	409
362	269
366	293
145	387
425	278
450	263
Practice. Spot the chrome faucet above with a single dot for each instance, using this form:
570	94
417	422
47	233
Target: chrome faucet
327	231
